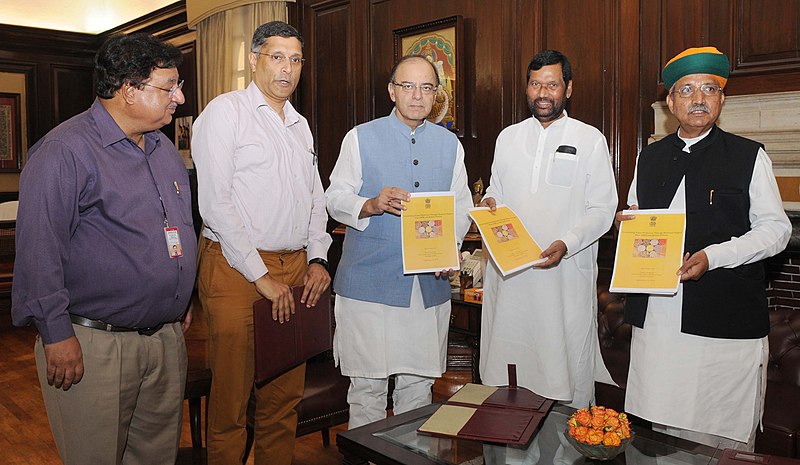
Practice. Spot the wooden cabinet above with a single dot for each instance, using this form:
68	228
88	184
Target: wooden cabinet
463	348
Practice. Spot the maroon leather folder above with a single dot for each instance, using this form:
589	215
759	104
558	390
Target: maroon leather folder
279	347
510	415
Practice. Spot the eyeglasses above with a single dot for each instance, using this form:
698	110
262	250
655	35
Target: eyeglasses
410	87
709	90
551	86
171	91
278	59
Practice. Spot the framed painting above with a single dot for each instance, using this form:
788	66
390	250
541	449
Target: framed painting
440	43
10	133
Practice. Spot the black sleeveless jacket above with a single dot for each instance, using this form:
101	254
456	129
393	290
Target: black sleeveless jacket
725	302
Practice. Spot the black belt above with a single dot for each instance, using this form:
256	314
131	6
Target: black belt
97	324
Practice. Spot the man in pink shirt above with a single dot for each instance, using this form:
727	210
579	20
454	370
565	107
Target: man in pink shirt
262	203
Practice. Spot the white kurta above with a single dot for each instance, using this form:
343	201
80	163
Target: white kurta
374	340
545	320
698	383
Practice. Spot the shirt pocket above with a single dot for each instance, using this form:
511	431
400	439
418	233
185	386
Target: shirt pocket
180	193
729	204
561	171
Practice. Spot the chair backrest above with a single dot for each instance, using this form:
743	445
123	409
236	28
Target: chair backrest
7	239
8	210
784	346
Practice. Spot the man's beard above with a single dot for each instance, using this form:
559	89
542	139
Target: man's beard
553	113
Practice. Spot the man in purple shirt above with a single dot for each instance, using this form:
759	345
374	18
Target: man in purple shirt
104	197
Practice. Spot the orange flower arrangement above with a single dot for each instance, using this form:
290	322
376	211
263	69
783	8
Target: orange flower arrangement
599	426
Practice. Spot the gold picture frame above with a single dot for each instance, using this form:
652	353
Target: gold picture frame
440	42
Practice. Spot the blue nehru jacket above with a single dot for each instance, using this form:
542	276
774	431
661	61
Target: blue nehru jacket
371	268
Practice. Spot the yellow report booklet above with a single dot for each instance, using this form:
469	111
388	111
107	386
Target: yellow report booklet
429	233
510	245
649	252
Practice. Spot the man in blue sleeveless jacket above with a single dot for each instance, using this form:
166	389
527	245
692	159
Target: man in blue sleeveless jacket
387	322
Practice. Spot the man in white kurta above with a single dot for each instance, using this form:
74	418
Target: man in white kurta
543	319
699	371
379	164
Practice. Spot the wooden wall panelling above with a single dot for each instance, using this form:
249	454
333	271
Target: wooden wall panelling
610	77
766	45
71	95
483	54
650	87
626	95
521	40
767	33
762	38
360	55
721	18
684	24
383	17
328	81
43	57
33	42
43	74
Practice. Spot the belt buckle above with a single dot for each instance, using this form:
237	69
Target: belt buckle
150	331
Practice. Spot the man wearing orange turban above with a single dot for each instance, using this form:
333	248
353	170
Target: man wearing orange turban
698	358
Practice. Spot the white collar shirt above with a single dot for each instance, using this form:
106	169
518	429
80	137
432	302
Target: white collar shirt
258	183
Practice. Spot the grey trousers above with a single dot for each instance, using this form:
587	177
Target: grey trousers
127	408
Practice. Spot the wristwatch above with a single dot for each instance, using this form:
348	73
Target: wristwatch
319	261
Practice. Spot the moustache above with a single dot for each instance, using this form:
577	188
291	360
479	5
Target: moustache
699	107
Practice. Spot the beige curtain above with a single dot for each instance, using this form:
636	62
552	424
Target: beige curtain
223	42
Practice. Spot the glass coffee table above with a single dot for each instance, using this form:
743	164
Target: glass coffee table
394	441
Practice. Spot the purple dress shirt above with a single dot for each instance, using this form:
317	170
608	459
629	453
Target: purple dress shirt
90	229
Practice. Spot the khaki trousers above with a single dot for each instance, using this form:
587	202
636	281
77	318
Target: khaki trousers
227	297
127	408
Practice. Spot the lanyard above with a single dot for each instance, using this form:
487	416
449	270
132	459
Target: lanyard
155	183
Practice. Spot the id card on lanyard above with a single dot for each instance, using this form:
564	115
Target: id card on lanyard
173	242
171	234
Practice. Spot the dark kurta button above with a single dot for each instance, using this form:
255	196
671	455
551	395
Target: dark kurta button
416	162
416	184
413	141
